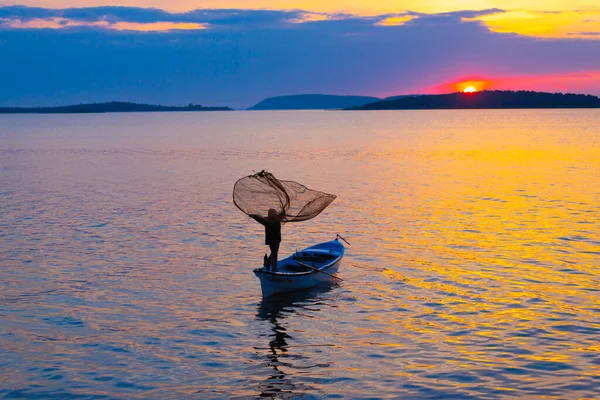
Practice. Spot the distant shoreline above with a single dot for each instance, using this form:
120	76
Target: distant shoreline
111	107
486	100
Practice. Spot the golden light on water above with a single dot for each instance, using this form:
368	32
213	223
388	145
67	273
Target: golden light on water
473	267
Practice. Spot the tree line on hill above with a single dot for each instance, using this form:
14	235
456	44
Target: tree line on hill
502	99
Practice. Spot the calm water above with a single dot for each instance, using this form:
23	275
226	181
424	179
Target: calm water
126	272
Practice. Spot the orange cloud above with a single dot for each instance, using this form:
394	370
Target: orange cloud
395	21
582	24
61	23
156	26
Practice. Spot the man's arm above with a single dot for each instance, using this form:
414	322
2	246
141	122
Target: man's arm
259	219
282	217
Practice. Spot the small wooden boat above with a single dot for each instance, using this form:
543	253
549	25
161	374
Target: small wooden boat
303	269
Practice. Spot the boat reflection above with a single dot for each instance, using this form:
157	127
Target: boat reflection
275	309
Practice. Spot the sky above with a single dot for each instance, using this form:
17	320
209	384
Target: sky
238	52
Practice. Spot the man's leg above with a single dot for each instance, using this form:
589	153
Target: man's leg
274	250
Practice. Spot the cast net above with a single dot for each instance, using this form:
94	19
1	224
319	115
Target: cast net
256	194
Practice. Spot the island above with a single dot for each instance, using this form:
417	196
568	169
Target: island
492	99
111	107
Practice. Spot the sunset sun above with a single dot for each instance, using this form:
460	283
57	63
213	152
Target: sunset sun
469	85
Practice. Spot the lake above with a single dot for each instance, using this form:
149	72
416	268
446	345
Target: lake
473	270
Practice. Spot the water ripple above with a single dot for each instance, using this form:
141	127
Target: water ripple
473	271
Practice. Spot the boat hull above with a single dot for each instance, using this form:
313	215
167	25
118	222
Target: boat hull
286	281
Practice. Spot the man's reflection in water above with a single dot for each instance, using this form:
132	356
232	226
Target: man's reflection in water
275	309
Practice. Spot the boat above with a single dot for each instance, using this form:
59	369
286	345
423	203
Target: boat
303	269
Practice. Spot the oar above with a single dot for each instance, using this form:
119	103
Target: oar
317	269
337	235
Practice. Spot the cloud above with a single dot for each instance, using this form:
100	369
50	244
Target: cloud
554	24
19	17
317	17
396	20
63	23
582	24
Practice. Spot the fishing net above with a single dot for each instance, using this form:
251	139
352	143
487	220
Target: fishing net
256	194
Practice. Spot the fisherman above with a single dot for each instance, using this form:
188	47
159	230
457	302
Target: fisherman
272	234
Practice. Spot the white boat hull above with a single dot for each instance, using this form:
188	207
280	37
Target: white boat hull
326	260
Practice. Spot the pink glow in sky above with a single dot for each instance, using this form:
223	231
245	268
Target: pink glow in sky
576	82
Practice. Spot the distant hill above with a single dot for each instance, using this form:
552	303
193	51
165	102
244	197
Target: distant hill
400	96
312	102
486	99
106	108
